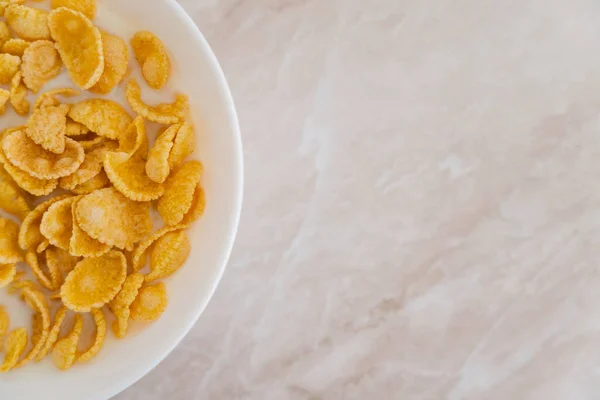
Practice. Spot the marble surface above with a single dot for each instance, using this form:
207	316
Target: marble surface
422	213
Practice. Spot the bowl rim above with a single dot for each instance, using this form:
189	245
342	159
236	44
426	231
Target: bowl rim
128	381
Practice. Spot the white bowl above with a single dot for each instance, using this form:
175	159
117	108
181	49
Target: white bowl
197	73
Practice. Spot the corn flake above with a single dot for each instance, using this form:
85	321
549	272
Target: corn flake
9	242
100	321
197	208
99	181
140	254
42	247
86	7
128	175
14	346
134	140
94	282
59	318
49	98
60	260
168	255
65	349
150	303
179	192
43	279
15	47
75	129
9	66
152	56
41	63
12	199
157	166
23	153
4	97
28	23
7	275
80	45
91	166
35	186
37	301
183	145
4	32
116	60
47	127
57	223
161	113
18	95
29	235
81	243
122	301
104	117
113	219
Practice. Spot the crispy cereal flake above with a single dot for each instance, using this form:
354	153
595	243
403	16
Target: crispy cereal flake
10	252
15	47
28	23
80	45
41	62
43	279
152	56
128	175
116	60
75	128
94	282
18	95
168	255
95	348
121	303
49	98
59	318
60	260
134	140
91	166
113	219
22	152
86	7
161	113
140	254
57	223
183	146
14	346
99	181
37	301
81	243
7	275
35	186
9	66
150	303
29	235
65	349
4	97
179	192
12	199
104	117
157	166
47	127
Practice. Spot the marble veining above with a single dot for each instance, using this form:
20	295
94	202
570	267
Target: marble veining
422	213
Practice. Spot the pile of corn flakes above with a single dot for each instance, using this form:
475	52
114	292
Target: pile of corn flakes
88	168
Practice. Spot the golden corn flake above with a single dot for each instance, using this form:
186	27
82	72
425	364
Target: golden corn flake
139	256
4	324
162	113
12	199
14	346
29	235
128	175
94	282
18	95
47	127
9	66
23	153
60	260
99	181
42	247
10	252
91	166
64	352
157	166
15	47
28	23
168	255
49	98
121	303
4	97
134	140
197	208
59	318
82	244
75	129
116	60
37	301
104	117
150	303
35	186
43	279
6	3
183	146
179	192
41	63
100	321
86	7
57	223
7	274
80	45
4	32
152	56
113	219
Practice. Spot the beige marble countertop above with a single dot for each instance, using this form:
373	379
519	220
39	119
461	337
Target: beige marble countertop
422	207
